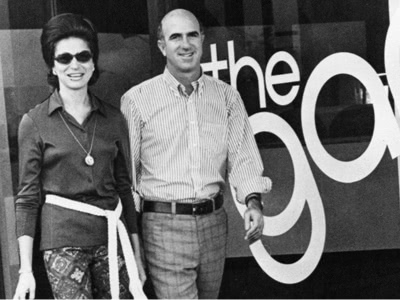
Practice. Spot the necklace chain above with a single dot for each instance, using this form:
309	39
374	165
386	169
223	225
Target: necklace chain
76	139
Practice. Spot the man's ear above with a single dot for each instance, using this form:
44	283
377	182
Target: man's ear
161	46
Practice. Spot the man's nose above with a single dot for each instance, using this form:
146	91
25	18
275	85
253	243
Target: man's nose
185	42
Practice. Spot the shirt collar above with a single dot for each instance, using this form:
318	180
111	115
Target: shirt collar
177	86
56	103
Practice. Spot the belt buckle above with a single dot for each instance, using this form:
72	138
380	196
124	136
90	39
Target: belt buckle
201	208
195	209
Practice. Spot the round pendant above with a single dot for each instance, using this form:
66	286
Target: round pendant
89	160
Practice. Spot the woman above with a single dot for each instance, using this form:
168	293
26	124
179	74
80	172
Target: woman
75	173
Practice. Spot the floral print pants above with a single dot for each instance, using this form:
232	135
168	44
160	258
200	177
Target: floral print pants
83	273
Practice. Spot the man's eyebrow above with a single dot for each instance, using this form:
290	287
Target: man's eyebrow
193	33
179	34
175	34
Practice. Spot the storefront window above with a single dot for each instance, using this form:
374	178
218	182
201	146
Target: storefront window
250	33
248	44
126	16
242	40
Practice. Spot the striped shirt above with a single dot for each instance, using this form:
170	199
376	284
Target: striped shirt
184	147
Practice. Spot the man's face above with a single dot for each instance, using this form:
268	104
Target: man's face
182	44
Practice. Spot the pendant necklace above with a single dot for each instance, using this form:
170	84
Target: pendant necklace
89	160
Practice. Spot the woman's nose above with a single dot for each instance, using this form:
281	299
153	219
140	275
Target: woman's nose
74	63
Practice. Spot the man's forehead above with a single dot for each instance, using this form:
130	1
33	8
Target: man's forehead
180	23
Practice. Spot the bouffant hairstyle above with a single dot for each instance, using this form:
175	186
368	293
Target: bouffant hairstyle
65	26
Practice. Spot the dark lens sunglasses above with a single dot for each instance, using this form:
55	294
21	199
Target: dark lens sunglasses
66	58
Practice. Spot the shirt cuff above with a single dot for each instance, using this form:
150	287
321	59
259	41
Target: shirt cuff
260	185
256	197
137	200
25	223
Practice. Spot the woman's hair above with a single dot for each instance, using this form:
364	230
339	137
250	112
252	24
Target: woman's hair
65	26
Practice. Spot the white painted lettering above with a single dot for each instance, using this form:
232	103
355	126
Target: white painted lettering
271	80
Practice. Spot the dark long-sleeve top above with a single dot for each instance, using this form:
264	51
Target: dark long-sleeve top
52	162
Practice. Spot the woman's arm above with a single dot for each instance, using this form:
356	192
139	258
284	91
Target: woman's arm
27	203
26	283
138	257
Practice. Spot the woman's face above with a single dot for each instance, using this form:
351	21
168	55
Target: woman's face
73	63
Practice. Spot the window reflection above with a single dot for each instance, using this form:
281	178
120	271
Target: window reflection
309	30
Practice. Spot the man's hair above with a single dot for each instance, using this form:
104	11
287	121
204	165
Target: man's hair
65	26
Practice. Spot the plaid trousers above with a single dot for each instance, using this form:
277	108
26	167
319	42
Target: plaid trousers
185	254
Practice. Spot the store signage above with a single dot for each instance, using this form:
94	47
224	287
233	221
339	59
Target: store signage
386	134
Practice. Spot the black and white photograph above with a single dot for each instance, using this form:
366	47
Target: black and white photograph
199	149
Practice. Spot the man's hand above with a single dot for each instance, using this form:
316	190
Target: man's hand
253	221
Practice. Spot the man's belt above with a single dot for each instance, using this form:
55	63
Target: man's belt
199	208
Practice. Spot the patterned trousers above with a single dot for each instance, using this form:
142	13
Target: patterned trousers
83	273
185	254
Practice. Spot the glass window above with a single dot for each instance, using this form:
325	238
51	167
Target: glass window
244	37
24	14
124	16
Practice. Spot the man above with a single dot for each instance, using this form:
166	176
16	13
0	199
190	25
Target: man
189	132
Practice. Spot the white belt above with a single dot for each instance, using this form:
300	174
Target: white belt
114	225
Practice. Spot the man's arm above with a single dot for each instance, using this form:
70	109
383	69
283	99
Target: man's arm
134	127
245	167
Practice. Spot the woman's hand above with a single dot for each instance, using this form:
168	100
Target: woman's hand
141	271
138	250
26	285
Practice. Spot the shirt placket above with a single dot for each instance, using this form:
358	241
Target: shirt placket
83	135
194	141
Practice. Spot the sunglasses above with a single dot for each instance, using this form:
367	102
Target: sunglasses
66	58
